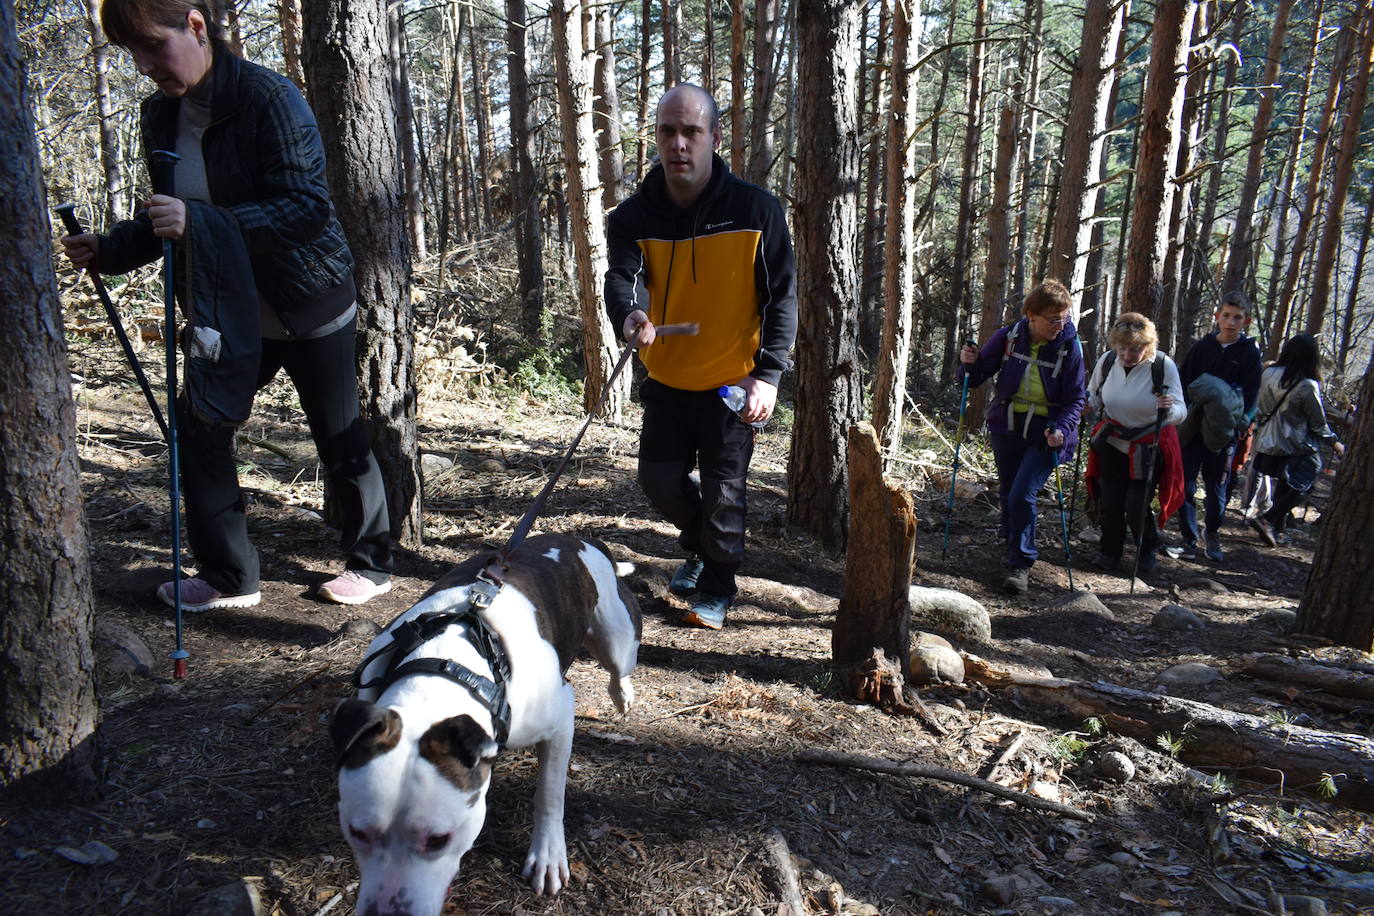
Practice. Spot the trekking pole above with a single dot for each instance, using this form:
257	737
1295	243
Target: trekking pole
1077	464
167	160
1149	480
954	471
67	213
1063	518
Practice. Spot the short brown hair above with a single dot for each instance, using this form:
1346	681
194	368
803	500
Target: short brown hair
129	21
1049	296
1236	299
1133	329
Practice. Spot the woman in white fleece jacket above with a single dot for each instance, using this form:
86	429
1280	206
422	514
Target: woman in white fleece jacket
1124	440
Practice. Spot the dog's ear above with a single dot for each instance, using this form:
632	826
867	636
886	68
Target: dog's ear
458	740
363	730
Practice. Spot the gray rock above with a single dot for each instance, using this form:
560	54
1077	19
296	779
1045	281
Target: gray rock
1123	859
1057	904
1281	619
1001	889
92	853
932	660
492	465
119	650
1116	766
1299	905
1176	617
1105	873
1189	674
360	628
951	612
1083	601
239	898
1210	585
431	464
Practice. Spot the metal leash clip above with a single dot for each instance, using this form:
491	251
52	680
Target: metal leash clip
483	592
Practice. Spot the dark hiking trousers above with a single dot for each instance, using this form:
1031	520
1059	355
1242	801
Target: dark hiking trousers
684	430
324	373
1120	499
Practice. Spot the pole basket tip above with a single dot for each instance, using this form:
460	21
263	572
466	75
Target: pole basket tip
179	669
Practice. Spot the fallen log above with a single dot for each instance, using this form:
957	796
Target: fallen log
1339	681
926	771
1294	758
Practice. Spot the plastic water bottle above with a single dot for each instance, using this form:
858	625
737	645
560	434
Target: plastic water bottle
733	396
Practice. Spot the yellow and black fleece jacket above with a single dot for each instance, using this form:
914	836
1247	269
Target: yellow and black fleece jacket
726	262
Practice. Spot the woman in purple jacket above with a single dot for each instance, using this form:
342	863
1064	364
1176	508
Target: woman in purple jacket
1032	416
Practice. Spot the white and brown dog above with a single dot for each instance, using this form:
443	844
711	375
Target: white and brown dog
415	748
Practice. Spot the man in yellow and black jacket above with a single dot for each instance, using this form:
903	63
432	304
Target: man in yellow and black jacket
697	244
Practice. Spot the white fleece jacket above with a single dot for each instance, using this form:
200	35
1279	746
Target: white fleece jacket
1127	396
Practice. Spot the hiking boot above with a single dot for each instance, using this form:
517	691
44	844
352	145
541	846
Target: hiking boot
352	588
1017	580
685	579
1107	562
1214	551
1266	533
1187	552
198	595
707	611
1149	562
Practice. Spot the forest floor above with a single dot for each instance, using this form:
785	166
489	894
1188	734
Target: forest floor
226	778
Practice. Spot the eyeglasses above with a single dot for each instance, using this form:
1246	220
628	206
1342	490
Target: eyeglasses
1130	325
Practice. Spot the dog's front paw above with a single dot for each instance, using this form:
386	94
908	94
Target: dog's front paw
546	866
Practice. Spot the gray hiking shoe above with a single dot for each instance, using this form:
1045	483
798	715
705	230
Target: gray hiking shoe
1017	580
684	581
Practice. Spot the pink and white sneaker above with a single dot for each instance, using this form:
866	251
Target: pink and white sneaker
199	595
352	588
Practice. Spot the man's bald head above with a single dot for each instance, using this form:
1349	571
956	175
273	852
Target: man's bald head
698	94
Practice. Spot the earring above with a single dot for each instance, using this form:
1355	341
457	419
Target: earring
202	41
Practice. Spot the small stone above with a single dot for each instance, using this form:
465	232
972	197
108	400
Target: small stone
92	853
1123	859
431	464
930	663
1176	617
1001	889
1084	602
1104	873
492	464
1057	904
360	628
119	650
1116	766
206	824
1280	619
1300	905
1210	585
951	612
1049	791
239	898
1189	674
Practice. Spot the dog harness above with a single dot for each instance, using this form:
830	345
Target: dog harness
410	634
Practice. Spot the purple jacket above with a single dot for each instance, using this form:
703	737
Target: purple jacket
1061	374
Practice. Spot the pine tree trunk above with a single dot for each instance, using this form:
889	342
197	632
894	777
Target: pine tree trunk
1311	200
1343	565
1160	136
481	108
708	62
105	114
874	214
1356	275
610	158
529	233
739	87
672	58
889	383
1085	134
1027	95
585	218
1348	150
765	87
1239	261
345	65
405	132
48	719
960	298
995	306
828	396
645	126
289	21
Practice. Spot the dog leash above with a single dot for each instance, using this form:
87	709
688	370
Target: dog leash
407	636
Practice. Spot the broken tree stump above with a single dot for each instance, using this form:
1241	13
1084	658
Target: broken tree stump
1287	670
1252	748
872	632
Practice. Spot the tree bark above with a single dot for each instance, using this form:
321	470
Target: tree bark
672	57
1296	758
1348	151
529	233
1238	262
610	158
1339	681
960	297
48	741
1314	188
105	114
828	396
405	127
1085	134
889	382
1343	565
586	220
345	65
738	87
481	109
1356	276
765	87
1027	94
1160	136
289	21
645	127
872	86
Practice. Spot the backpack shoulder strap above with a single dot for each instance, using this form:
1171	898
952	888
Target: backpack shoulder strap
1157	373
1108	360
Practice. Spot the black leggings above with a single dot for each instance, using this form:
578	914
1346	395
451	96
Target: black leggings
324	373
1120	500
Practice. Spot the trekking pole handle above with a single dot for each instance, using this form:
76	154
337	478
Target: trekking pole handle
67	213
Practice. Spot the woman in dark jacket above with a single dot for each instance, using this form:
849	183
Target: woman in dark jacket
264	277
1292	421
1033	416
